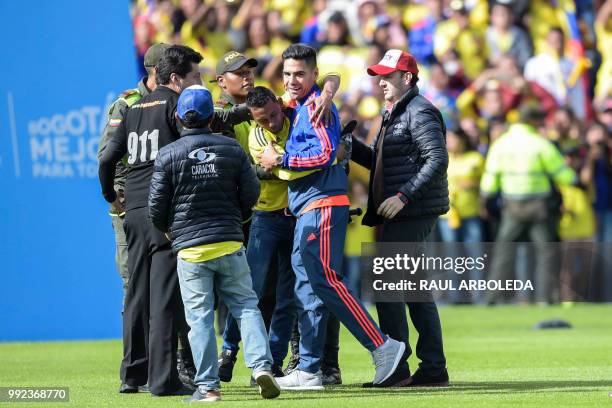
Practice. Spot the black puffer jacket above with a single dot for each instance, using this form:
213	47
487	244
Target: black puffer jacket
415	159
202	188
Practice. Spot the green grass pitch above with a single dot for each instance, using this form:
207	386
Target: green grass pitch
494	356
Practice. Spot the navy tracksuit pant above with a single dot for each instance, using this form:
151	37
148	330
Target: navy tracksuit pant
321	287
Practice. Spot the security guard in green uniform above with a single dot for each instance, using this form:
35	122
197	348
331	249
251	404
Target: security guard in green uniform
116	113
523	167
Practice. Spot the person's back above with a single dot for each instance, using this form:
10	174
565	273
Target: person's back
151	124
521	165
214	188
202	186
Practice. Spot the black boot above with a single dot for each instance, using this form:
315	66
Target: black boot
420	379
331	374
185	366
294	344
227	359
329	366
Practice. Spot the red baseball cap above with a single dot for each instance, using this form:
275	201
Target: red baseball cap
394	60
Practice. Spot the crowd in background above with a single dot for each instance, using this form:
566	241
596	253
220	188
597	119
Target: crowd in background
480	61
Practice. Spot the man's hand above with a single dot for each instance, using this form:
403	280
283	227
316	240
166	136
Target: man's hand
117	206
269	158
390	207
262	174
340	152
322	109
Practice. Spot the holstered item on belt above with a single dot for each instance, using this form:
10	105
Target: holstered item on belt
283	211
533	209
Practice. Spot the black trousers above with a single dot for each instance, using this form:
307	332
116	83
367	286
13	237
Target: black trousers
154	310
332	342
424	315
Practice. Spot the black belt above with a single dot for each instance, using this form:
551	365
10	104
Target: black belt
283	211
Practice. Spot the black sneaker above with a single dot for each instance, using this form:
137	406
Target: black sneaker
331	375
182	390
144	388
186	369
419	379
227	359
128	389
400	378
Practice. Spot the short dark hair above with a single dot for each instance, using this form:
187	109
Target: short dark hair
193	120
558	30
414	79
507	6
301	52
568	111
337	17
176	59
259	96
463	136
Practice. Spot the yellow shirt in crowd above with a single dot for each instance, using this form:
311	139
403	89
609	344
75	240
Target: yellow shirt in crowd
577	220
464	173
356	234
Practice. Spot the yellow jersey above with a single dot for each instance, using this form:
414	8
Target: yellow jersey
274	194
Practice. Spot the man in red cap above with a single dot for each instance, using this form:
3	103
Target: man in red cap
408	191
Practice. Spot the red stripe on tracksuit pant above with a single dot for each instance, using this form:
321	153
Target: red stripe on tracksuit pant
332	278
320	287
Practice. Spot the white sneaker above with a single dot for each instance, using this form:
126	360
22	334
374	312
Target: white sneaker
268	387
386	359
298	380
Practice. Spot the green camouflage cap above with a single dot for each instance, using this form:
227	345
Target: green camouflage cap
232	61
154	53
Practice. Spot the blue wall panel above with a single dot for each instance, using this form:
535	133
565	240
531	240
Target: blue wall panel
66	60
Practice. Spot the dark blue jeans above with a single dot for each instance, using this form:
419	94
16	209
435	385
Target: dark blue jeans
270	240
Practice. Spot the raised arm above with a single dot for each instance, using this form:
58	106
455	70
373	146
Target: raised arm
226	119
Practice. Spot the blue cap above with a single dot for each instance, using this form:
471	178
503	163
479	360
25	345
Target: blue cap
195	98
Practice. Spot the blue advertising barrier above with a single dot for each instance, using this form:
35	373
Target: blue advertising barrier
65	62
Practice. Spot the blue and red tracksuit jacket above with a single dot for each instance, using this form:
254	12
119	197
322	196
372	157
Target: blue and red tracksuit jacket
310	148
